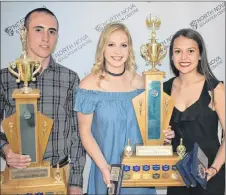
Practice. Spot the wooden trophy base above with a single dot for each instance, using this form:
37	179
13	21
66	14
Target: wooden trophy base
34	179
151	171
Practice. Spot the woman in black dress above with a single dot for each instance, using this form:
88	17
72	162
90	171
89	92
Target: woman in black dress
199	105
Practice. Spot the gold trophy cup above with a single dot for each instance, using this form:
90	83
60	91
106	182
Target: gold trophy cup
28	133
154	163
26	67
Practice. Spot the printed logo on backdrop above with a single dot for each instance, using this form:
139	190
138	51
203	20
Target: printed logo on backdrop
121	16
15	28
71	48
204	19
208	16
215	62
166	42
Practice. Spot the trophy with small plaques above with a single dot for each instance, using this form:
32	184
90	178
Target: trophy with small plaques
28	133
153	163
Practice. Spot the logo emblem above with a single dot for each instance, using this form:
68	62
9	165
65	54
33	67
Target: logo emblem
154	93
155	176
165	167
175	176
136	168
146	167
155	167
27	115
9	31
126	176
165	175
146	176
111	190
194	24
126	168
201	171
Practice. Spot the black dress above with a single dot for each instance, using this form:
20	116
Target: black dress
198	123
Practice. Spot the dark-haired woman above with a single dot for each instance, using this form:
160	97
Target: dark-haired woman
199	105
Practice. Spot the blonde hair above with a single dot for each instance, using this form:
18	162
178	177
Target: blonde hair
98	67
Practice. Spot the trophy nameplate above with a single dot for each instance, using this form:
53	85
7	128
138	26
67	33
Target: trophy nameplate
154	150
153	164
27	132
29	173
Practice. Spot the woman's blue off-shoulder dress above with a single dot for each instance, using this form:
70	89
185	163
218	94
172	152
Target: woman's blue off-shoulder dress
114	122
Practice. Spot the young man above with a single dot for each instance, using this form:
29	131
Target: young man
57	89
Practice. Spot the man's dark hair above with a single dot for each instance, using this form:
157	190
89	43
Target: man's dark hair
40	10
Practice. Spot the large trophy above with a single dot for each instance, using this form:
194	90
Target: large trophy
154	163
28	132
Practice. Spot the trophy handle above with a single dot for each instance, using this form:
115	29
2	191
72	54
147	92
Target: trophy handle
36	71
14	72
144	53
163	52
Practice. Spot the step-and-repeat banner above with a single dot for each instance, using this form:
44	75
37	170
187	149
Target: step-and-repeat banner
81	24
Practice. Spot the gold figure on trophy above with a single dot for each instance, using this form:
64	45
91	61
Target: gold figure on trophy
128	151
153	52
153	163
26	67
181	149
27	132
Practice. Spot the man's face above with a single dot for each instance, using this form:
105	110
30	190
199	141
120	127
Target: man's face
42	35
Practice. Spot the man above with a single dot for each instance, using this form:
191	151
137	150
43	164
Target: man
57	87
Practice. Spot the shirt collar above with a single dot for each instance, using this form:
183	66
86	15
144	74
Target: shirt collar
52	64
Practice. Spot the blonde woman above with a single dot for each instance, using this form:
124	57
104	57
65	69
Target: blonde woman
104	108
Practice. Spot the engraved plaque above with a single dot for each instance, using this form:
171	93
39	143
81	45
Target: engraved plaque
116	179
27	130
29	173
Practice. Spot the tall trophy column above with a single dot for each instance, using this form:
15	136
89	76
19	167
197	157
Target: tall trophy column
28	132
153	163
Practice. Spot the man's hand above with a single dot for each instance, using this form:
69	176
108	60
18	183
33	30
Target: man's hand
75	190
16	160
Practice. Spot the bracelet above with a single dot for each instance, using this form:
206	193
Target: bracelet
214	169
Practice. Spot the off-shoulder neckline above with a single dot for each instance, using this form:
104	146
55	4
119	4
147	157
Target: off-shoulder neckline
107	93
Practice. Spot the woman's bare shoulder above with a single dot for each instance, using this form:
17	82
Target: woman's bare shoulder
89	82
138	81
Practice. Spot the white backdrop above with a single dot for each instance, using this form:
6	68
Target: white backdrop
81	24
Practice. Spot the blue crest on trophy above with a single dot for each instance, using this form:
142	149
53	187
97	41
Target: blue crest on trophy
146	167
174	168
156	167
165	167
136	168
126	168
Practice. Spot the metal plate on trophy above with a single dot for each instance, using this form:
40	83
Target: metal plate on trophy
116	179
27	130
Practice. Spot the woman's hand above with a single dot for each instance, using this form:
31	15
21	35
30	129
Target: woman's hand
211	172
106	174
169	135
